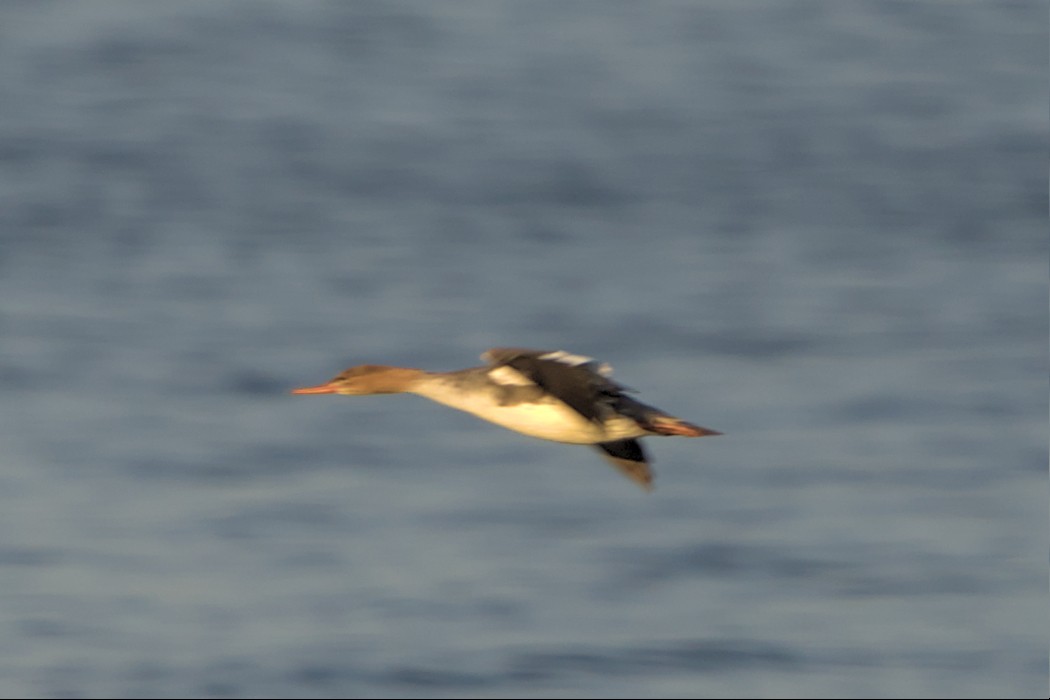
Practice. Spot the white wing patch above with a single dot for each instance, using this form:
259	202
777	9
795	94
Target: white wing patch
602	368
508	376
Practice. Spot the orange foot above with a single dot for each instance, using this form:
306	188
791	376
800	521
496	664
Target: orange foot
675	426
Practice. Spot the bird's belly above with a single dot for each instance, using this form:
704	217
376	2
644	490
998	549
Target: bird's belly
548	420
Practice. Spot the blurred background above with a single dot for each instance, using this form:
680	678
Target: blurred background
819	227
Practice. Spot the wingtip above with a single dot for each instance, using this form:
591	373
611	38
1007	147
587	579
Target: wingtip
643	480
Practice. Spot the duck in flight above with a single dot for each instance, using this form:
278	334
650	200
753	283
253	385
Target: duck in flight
551	395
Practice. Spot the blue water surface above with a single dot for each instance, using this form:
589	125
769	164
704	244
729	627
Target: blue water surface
819	227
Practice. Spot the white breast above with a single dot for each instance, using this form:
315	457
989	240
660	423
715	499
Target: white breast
548	420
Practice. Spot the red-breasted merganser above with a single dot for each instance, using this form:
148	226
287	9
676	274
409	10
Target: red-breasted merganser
552	395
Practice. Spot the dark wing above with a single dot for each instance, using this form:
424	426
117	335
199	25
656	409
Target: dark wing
579	381
629	457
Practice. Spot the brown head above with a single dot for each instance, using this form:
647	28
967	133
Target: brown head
367	379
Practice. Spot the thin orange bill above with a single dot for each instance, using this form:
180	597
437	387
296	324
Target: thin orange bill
322	389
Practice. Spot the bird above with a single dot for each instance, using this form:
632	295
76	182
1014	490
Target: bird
548	394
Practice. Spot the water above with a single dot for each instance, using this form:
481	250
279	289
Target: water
817	227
